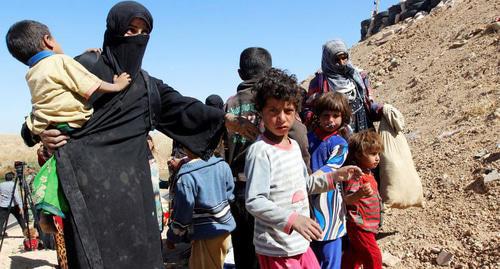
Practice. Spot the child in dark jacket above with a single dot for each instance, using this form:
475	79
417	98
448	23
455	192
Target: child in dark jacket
201	210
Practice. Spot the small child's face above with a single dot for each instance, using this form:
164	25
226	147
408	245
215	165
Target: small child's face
278	116
369	160
53	45
330	121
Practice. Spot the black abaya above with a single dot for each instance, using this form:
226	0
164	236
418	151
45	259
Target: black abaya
104	170
105	175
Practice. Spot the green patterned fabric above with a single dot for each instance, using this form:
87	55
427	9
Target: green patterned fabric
47	193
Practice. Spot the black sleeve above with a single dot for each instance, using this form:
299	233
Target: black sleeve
28	137
189	122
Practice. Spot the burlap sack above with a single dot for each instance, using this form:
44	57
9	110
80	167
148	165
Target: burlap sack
400	185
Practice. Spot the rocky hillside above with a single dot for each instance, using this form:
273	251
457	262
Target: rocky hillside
442	72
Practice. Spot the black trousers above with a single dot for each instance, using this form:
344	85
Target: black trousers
242	236
14	210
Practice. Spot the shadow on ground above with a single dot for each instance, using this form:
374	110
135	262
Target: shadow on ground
19	262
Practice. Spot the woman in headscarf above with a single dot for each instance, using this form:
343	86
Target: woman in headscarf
104	170
338	74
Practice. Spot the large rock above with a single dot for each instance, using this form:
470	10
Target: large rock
389	260
444	258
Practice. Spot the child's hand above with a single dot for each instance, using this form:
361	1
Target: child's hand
307	227
366	190
122	81
347	172
96	50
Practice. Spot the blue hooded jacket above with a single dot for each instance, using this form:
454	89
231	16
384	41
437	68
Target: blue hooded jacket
203	192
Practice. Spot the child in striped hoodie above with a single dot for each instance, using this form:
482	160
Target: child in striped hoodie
363	203
277	180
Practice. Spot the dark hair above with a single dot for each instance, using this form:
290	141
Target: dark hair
337	102
9	176
254	61
214	100
277	84
25	39
362	143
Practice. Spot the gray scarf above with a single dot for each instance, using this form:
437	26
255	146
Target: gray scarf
342	78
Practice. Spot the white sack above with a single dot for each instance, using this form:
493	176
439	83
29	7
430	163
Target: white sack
400	185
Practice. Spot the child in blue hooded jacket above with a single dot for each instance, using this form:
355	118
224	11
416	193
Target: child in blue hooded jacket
201	210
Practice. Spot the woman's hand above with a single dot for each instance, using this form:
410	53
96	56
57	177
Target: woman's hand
53	139
241	126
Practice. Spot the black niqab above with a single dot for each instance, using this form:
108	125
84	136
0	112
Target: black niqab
125	53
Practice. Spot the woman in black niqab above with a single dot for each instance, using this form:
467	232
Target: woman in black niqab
104	170
125	53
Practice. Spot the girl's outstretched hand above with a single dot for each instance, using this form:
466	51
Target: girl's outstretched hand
347	172
307	227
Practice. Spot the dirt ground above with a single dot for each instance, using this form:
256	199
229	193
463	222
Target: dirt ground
14	256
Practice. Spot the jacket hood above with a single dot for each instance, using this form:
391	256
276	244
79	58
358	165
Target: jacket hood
198	164
247	84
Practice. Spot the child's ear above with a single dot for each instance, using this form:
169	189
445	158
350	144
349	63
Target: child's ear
48	42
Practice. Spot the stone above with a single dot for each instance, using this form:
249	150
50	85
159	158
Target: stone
435	250
420	15
444	258
493	27
458	44
491	176
413	83
496	114
389	260
480	154
447	134
394	62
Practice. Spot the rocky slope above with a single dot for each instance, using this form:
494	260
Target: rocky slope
442	72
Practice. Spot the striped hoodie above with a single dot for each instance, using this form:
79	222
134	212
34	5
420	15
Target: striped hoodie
276	193
201	200
365	213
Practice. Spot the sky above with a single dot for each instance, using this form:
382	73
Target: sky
194	46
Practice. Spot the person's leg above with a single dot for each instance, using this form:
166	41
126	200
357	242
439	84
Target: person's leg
370	252
351	257
15	211
308	260
197	258
4	215
209	253
242	236
331	254
317	247
268	262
